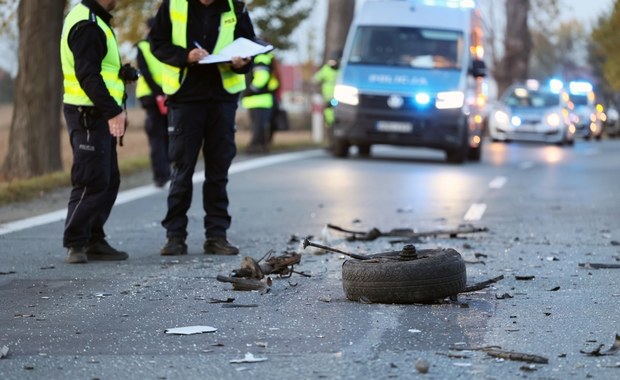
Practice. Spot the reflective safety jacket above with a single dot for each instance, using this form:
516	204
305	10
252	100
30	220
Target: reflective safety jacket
327	76
110	66
155	67
173	76
263	85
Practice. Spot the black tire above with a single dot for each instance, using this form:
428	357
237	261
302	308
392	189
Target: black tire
436	274
340	148
363	150
474	154
456	156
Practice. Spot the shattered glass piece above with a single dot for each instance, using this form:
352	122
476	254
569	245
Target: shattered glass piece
189	330
249	358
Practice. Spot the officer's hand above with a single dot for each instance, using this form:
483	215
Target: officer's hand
238	62
196	55
117	124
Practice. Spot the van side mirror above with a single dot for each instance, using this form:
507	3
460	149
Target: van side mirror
478	68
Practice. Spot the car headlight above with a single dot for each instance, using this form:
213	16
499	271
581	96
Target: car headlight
516	121
501	117
553	120
346	94
449	100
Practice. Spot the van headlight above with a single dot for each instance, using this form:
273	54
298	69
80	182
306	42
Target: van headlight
346	94
553	120
501	117
449	100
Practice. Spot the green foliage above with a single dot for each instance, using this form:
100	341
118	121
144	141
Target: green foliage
605	50
276	20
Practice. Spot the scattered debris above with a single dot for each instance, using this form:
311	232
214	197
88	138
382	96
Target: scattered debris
9	272
405	232
190	330
615	242
235	305
599	266
215	300
528	368
249	358
482	285
422	366
497	352
325	299
4	352
554	289
414	331
307	243
503	296
611	351
524	278
245	283
518	356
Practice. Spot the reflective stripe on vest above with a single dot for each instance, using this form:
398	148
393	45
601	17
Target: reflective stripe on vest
110	66
154	66
173	76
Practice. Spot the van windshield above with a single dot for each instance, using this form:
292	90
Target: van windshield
410	47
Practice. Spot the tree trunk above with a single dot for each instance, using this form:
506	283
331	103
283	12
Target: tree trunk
514	65
34	139
339	17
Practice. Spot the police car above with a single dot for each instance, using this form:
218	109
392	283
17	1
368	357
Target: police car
531	112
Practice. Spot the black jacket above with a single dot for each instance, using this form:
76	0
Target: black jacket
202	82
88	43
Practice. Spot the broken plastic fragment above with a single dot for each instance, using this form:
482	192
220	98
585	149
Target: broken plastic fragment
4	352
189	330
249	358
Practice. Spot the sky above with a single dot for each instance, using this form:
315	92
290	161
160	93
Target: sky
585	10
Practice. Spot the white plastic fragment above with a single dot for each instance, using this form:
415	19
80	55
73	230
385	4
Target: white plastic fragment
249	358
189	330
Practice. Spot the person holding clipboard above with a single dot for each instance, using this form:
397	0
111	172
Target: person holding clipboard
202	102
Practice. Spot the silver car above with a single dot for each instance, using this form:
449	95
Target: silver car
531	112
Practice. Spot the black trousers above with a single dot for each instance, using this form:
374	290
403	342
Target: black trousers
261	126
210	127
156	128
94	176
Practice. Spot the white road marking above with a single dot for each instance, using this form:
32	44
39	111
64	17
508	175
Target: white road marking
498	182
147	190
475	212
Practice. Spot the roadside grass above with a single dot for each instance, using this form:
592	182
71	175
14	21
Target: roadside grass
31	188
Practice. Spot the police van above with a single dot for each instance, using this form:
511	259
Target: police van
412	75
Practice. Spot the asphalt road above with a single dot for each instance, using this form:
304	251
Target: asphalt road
547	209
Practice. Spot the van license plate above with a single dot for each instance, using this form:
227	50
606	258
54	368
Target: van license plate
394	126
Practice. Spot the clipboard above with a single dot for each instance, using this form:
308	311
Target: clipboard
241	47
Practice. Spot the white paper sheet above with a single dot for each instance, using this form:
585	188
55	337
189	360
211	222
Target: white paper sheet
241	47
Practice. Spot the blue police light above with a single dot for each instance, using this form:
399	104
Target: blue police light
333	102
422	98
556	85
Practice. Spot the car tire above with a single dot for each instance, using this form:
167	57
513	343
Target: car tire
388	278
474	154
363	150
340	148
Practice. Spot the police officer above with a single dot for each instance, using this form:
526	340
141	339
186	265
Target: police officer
259	99
202	102
326	76
152	98
93	94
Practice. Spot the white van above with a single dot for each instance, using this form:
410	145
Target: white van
412	75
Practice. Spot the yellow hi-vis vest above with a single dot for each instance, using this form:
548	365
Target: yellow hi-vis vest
173	76
262	78
155	68
110	66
